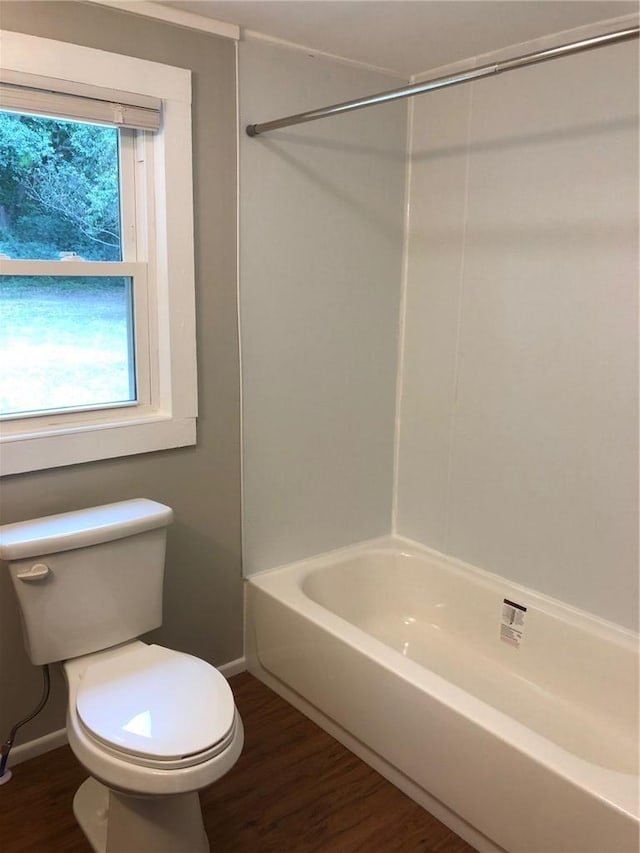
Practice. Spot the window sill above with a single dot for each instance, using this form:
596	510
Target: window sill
70	446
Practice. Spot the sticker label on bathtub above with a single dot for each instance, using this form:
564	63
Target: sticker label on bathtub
512	624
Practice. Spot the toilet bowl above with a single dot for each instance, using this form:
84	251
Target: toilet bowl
152	726
151	721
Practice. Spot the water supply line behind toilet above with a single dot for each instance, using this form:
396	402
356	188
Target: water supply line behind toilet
5	749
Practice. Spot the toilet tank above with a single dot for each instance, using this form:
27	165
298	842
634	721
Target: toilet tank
87	580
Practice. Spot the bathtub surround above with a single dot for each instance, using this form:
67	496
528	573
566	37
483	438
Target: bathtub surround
517	415
320	258
518	439
203	585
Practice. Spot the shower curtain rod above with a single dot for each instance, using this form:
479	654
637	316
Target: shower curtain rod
451	80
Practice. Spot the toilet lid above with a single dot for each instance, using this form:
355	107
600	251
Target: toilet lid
156	703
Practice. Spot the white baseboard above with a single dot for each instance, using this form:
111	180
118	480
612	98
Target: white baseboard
234	667
37	746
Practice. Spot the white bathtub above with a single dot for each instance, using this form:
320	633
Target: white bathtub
526	742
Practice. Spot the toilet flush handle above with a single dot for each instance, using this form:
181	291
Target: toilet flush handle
37	572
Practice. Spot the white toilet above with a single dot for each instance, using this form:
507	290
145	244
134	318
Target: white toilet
152	726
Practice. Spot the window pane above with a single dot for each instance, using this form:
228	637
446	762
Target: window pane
59	189
65	342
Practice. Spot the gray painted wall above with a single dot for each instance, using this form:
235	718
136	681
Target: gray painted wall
519	416
203	591
321	255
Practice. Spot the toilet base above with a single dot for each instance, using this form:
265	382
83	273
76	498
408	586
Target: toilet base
118	823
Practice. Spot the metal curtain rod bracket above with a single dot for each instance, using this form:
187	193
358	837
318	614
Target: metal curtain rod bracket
451	80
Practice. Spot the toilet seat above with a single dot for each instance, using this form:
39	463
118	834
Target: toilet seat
156	707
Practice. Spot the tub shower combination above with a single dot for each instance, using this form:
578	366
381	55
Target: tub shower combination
510	716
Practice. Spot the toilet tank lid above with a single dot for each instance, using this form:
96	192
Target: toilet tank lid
69	530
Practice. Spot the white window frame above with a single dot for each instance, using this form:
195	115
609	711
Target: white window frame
163	270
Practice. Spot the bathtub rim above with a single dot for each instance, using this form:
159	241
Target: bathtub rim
284	584
548	605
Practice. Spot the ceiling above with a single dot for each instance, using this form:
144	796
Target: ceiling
407	36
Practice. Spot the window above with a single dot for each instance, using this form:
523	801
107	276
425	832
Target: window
97	331
67	340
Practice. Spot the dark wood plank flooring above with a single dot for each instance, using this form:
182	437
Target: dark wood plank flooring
294	790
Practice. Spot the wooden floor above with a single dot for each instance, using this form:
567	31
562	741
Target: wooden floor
294	790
